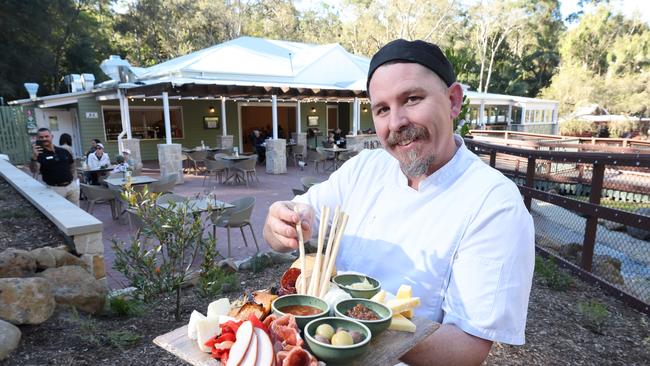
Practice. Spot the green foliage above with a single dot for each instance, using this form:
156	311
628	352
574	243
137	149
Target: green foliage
546	271
594	315
122	338
16	213
125	306
168	242
620	128
213	280
576	127
463	115
259	262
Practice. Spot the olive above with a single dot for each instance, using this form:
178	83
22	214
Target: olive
342	339
325	331
322	339
356	336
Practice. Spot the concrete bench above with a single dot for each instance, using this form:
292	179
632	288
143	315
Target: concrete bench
84	229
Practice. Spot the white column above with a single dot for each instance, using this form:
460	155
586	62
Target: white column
223	116
523	114
355	121
509	117
168	125
481	114
120	97
298	124
127	117
274	108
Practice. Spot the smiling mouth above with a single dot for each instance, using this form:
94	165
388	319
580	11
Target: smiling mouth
404	142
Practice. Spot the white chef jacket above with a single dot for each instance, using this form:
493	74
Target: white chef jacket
94	163
464	240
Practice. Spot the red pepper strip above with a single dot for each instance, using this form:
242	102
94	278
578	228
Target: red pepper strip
224	357
210	342
216	353
230	326
257	323
225	337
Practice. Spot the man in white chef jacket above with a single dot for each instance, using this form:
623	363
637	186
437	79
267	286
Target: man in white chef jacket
426	212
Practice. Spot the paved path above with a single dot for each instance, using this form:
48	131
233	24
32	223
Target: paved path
271	188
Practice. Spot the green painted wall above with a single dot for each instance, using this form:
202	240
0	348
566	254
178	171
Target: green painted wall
92	128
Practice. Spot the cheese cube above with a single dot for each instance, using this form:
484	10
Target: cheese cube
405	292
191	327
400	323
206	329
399	306
380	297
218	308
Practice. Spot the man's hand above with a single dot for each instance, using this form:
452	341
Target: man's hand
449	346
280	227
36	150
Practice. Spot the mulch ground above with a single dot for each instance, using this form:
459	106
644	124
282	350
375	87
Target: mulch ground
557	332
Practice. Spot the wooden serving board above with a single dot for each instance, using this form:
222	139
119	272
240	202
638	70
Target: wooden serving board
385	350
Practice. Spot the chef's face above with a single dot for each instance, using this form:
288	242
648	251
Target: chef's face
45	137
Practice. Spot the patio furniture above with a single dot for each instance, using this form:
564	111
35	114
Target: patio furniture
197	158
297	191
336	152
308	181
320	157
299	153
164	184
97	194
166	198
217	168
237	216
246	169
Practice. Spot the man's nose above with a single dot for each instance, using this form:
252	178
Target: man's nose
398	119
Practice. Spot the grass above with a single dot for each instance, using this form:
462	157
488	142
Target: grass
123	306
594	315
548	272
16	213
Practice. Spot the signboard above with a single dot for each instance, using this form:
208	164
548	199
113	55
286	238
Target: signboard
93	115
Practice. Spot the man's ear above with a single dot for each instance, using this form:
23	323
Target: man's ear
455	92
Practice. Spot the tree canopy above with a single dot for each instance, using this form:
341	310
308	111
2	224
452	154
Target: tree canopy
519	47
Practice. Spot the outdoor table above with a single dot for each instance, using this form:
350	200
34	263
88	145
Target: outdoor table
199	205
97	170
231	159
336	151
384	350
135	180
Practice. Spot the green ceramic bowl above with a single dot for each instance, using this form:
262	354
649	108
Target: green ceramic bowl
290	300
345	280
337	355
376	326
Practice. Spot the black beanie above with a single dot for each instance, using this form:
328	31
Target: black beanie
424	53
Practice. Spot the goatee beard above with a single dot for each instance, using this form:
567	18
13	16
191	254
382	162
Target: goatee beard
414	166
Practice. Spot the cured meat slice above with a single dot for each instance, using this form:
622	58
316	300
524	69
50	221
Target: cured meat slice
296	356
288	282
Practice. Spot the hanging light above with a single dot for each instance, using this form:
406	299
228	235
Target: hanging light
365	109
313	109
211	109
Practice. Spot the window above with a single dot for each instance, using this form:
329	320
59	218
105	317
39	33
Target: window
147	123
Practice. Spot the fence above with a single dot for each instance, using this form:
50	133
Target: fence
14	140
591	209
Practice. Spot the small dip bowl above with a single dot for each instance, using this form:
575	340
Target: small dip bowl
298	304
384	313
337	355
344	281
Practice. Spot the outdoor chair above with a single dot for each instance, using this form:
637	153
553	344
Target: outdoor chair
308	181
197	158
97	194
165	184
245	169
217	168
321	157
299	153
297	191
238	216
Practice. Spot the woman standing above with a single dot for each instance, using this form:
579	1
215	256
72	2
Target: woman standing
65	141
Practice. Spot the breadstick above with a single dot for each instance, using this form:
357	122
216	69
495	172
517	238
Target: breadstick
325	276
335	250
301	249
314	283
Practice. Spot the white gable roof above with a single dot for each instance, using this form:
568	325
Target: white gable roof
264	62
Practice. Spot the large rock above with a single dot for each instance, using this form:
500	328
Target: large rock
75	286
26	300
55	257
635	231
16	263
9	338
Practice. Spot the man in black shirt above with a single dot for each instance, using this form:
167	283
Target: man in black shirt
56	166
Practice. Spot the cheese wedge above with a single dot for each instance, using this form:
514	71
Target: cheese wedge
206	329
400	323
380	297
191	327
399	306
405	292
219	307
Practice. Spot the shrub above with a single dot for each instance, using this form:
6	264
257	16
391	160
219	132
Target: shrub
124	306
213	280
576	127
620	128
551	276
168	242
594	315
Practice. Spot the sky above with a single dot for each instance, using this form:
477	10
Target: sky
627	7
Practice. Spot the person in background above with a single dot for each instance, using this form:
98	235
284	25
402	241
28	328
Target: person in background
126	154
339	138
97	160
65	142
93	146
56	166
121	166
257	140
417	215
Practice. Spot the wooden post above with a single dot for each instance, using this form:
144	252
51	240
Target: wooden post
530	181
493	158
588	245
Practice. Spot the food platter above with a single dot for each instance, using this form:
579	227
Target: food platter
386	349
313	316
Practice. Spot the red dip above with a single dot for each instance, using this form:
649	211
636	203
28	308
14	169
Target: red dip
300	310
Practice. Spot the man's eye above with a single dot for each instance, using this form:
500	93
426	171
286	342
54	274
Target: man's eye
413	99
380	111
